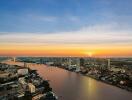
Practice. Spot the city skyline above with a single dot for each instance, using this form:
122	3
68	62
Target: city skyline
66	28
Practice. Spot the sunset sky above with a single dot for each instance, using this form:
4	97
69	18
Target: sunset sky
98	28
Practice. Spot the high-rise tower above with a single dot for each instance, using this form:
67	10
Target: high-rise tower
108	63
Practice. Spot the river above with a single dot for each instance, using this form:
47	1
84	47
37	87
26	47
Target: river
72	86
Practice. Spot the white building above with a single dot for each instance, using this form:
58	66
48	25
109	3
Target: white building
23	71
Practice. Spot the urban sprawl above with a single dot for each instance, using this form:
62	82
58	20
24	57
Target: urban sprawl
21	82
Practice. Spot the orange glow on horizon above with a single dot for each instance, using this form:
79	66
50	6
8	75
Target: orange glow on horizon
65	50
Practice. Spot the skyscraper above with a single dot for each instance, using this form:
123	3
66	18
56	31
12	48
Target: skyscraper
108	63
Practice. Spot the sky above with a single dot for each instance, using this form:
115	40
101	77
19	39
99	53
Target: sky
99	28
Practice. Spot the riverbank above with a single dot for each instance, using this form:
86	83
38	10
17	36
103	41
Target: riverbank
103	78
19	82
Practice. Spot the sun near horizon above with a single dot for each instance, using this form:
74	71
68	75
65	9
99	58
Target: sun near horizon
62	50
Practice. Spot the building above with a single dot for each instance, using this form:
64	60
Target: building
108	63
23	71
31	88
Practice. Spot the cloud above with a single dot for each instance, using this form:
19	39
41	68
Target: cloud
73	18
96	34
